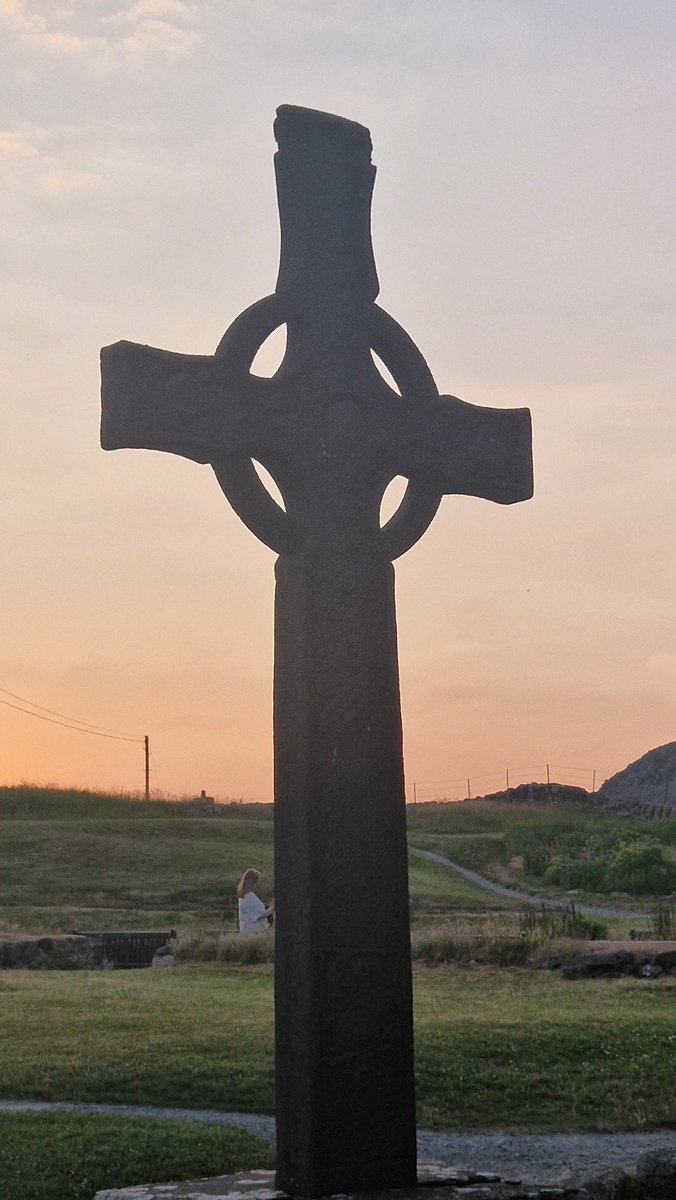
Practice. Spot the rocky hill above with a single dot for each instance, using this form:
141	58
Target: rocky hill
646	787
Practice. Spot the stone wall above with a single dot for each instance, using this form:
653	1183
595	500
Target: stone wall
57	953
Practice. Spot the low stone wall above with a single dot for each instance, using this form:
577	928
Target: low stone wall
637	808
645	960
61	952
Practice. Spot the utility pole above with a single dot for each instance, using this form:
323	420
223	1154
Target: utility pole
146	744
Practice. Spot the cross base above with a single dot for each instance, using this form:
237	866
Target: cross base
435	1182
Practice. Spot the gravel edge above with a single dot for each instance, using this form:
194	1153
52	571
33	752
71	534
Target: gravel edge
537	1159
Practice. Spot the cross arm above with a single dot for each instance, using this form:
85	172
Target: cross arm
464	449
157	400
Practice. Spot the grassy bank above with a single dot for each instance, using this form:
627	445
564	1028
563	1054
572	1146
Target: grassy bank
141	872
129	873
495	1048
554	846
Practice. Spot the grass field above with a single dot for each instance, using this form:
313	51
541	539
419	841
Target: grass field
495	1048
132	873
140	872
70	1156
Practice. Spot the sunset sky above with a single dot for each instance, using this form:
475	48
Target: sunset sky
524	232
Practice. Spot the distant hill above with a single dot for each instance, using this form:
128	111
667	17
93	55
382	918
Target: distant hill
646	787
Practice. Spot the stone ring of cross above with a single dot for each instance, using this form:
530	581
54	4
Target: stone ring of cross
239	478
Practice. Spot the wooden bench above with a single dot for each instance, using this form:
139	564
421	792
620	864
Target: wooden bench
130	948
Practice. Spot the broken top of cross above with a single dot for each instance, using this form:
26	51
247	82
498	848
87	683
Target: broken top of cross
327	426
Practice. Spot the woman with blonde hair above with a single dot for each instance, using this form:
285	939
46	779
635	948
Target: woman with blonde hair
253	914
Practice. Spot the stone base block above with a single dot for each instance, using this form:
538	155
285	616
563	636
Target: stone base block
435	1182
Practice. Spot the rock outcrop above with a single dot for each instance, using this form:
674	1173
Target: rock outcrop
541	793
645	788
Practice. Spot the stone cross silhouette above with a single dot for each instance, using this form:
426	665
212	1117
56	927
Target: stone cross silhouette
332	433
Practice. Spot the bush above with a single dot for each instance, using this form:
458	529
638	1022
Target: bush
587	874
640	869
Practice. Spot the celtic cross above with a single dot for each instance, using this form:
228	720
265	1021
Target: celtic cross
332	433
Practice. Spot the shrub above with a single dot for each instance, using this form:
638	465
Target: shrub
535	859
641	868
580	873
508	952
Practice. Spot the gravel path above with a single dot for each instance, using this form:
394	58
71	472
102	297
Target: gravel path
513	894
535	1158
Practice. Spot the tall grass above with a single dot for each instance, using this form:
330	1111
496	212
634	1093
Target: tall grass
663	920
565	921
436	946
194	946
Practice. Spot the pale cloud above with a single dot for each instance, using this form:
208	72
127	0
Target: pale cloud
47	26
14	144
146	28
60	164
154	26
34	161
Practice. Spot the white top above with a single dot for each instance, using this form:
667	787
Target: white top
252	918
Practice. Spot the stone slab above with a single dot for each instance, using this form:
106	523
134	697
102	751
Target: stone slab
435	1182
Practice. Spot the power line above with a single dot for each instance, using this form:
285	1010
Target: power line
75	720
118	737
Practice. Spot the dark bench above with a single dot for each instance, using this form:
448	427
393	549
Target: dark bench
134	948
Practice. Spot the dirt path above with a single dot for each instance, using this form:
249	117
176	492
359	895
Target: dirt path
513	894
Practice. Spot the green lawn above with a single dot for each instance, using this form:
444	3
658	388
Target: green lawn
495	1048
70	1156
